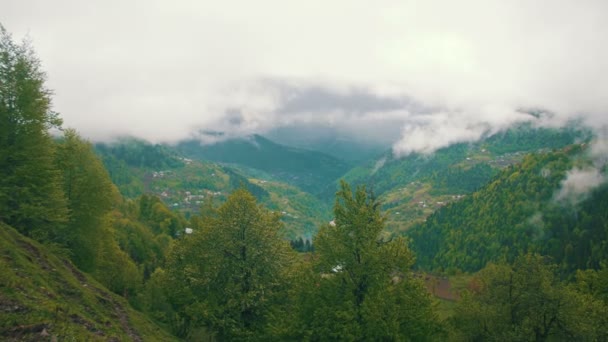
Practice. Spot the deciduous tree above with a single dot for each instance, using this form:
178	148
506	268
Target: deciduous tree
230	269
366	289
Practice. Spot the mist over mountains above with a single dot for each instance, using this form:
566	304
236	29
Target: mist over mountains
448	71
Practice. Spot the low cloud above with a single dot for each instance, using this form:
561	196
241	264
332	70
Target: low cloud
430	132
578	184
431	73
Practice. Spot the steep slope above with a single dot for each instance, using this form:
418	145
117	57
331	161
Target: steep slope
519	211
309	170
414	186
301	212
184	184
44	297
138	167
329	140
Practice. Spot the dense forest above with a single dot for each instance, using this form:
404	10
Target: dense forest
519	210
90	252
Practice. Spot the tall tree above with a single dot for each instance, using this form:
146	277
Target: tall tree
230	269
90	195
366	291
31	198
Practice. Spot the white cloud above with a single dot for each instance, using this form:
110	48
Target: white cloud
578	184
163	69
429	132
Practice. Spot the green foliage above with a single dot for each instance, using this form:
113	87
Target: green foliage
301	212
366	290
515	213
238	181
114	268
576	235
140	243
139	153
498	222
301	245
459	168
157	216
41	293
225	275
90	195
458	180
526	301
235	277
525	137
202	179
309	170
393	172
31	198
126	179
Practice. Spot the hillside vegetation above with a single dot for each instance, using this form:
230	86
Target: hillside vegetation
311	171
135	242
45	297
414	186
519	211
184	184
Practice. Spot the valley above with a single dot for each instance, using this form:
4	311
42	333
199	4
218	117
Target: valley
300	209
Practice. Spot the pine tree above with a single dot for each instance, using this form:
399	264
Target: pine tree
31	198
90	195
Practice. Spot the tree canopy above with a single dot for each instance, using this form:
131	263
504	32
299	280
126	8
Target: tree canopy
229	269
366	288
31	198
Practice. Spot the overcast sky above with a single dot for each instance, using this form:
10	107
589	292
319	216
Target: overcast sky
444	71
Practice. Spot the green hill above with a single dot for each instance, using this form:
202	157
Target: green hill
517	212
413	187
351	147
184	184
44	297
301	212
309	170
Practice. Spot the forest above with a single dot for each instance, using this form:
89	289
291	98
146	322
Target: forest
88	254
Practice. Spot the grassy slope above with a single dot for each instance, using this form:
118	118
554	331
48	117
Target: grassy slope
44	297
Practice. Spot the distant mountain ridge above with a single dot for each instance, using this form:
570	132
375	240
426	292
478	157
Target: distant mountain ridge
309	170
350	147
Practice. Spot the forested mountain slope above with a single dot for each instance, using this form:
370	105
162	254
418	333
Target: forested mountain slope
351	147
520	210
462	167
138	167
184	184
414	186
309	170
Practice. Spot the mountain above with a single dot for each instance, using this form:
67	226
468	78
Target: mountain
414	186
524	209
354	148
309	170
301	212
183	184
45	297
